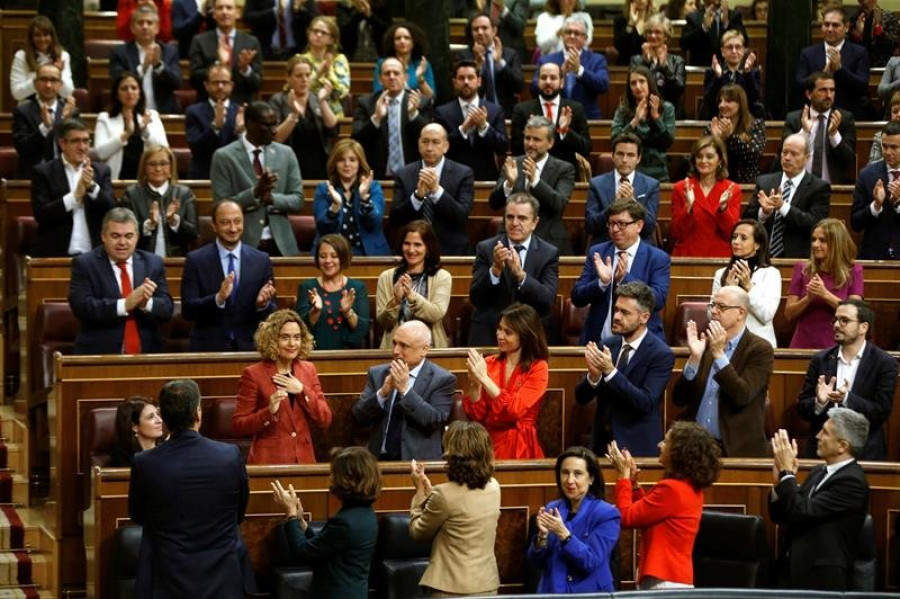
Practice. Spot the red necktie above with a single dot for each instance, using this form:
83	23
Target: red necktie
549	106
132	337
257	165
227	41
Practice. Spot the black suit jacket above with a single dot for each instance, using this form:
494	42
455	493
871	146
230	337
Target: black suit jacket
451	212
881	234
578	138
190	495
872	395
538	290
94	293
851	81
809	204
508	81
480	153
48	187
841	158
374	140
165	81
32	146
204	54
822	528
260	16
701	45
138	198
203	139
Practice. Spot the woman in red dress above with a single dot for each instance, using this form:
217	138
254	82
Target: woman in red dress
506	390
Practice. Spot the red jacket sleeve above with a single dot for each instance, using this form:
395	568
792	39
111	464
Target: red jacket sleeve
682	223
653	507
315	406
520	394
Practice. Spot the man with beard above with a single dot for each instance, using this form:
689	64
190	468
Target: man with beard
499	67
876	201
627	375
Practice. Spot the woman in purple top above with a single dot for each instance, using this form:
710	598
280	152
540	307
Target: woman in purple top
818	285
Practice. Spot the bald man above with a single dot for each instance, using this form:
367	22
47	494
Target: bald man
438	190
407	402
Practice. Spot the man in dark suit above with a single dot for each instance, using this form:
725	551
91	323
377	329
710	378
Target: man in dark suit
264	178
701	37
213	122
854	374
824	516
791	202
627	375
515	266
280	25
584	73
37	119
726	378
155	64
846	62
190	497
476	128
118	293
499	67
437	190
549	180
69	196
408	401
876	201
227	288
832	132
189	19
392	113
228	46
569	123
623	183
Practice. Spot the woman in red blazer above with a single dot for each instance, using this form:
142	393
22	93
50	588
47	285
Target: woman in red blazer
669	513
281	395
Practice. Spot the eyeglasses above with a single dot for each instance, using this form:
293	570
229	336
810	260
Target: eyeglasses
220	83
733	47
720	307
574	32
158	164
618	225
843	320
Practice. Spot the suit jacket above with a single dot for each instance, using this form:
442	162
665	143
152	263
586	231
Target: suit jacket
285	437
841	158
202	278
809	204
628	404
872	395
187	22
585	89
480	153
822	528
538	290
374	140
602	194
702	45
650	265
369	218
32	146
880	234
461	524
165	80
451	211
555	184
578	138
203	139
260	16
508	81
743	385
48	188
204	54
851	81
191	548
430	310
94	293
233	177
138	198
424	410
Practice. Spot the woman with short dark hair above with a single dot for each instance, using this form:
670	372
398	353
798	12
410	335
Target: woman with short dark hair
138	428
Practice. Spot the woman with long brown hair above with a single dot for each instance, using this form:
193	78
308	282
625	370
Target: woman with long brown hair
744	135
41	47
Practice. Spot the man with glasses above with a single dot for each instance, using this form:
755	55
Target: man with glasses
625	258
212	122
853	374
726	377
738	67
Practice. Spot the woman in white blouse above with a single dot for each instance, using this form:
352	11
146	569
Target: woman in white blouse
127	129
750	270
549	22
41	46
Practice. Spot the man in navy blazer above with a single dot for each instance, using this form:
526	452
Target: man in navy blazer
584	73
213	122
263	18
228	287
876	201
476	128
156	64
499	67
190	495
623	183
628	385
854	374
97	291
847	62
623	259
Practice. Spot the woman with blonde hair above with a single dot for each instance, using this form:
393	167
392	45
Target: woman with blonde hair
41	47
331	69
667	68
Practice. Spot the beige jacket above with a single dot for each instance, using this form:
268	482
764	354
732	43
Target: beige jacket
430	310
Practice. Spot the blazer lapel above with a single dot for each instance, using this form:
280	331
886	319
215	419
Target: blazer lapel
138	269
423	381
110	277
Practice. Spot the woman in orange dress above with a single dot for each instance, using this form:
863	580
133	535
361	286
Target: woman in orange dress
506	390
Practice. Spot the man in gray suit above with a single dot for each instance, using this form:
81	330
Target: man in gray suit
408	401
264	178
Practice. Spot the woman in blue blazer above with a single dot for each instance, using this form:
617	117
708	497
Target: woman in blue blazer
577	534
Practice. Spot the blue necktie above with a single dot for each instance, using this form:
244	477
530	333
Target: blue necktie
395	150
230	271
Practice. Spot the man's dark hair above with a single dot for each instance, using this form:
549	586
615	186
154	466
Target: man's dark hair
838	8
178	404
626	138
219	203
864	312
892	128
255	111
810	83
70	125
632	207
639	292
465	63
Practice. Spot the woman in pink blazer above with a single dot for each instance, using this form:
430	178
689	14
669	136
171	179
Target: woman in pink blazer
280	396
